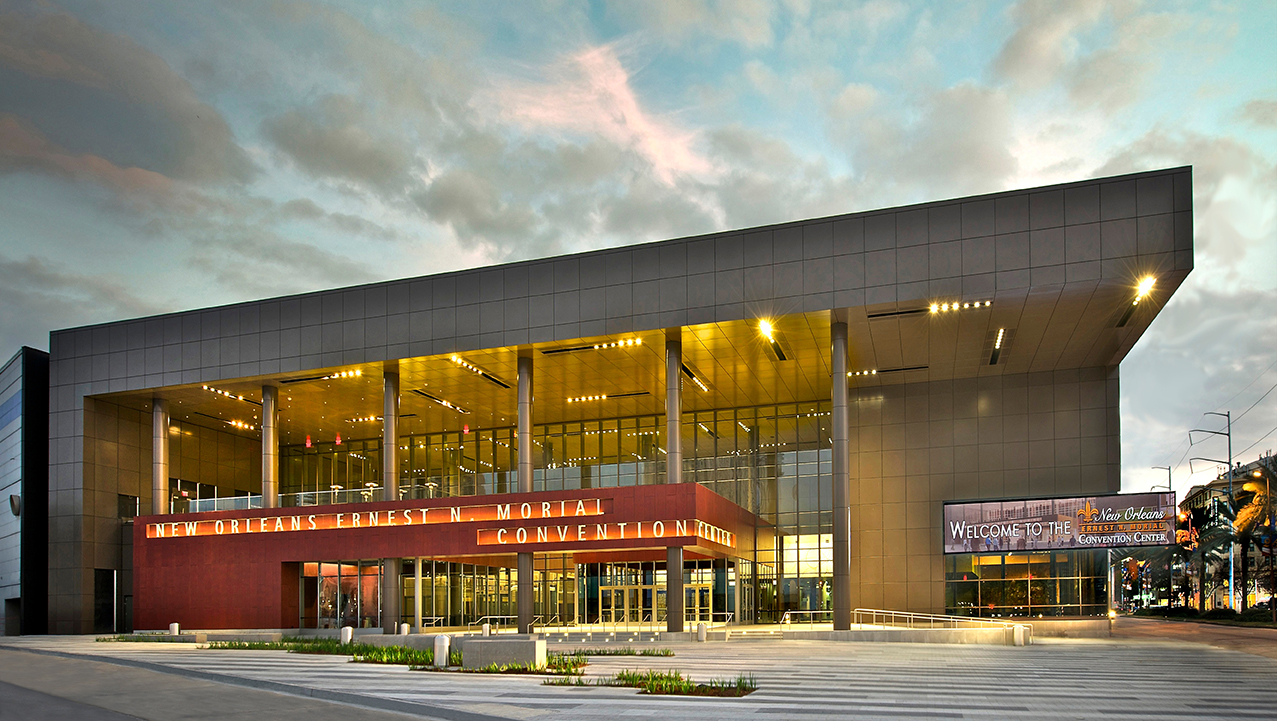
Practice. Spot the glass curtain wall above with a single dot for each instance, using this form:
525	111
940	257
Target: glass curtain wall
1055	583
772	460
341	593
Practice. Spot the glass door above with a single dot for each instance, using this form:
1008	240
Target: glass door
697	601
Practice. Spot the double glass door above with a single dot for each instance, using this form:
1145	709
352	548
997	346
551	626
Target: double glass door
697	602
631	604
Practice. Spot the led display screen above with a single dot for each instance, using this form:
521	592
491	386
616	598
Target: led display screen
1140	519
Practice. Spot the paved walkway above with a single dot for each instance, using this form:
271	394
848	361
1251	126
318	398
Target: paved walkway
1053	679
1259	641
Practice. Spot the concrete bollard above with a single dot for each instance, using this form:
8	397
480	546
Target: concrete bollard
487	629
701	631
174	629
443	645
403	629
347	635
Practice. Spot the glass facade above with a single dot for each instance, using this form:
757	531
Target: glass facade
772	460
1056	583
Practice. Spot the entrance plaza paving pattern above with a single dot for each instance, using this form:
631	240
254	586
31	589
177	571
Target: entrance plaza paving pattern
1129	676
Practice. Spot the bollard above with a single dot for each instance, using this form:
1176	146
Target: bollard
700	632
347	635
487	629
174	629
442	647
403	629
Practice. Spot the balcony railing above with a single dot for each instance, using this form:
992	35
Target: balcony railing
366	494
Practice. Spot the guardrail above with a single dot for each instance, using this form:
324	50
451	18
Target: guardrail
787	619
905	619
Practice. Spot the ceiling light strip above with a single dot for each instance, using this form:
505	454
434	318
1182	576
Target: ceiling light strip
960	305
228	394
478	371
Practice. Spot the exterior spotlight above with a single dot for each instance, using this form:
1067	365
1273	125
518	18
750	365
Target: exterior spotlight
1146	284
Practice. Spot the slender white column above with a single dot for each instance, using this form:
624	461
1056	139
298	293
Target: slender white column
270	447
841	478
524	579
159	456
673	411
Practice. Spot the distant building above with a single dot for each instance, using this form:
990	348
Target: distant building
24	492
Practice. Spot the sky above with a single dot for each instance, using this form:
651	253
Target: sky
164	156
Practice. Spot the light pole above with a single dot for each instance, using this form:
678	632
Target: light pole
1170	573
1228	418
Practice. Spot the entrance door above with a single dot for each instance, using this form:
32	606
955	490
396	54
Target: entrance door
697	599
627	604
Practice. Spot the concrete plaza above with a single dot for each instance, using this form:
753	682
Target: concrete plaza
1150	670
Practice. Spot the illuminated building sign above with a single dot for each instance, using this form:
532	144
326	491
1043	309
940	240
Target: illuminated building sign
347	520
614	531
1142	519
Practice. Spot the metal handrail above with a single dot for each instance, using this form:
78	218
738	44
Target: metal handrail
698	616
811	616
489	619
880	617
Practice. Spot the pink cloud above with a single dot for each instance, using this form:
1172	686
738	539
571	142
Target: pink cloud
591	95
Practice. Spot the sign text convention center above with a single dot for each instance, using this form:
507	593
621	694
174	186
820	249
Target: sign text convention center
912	409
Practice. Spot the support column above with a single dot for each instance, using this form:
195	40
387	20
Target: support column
673	411
391	591
390	437
674	589
159	456
270	447
525	598
841	477
416	594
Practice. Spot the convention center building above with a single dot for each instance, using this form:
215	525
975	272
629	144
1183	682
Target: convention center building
776	423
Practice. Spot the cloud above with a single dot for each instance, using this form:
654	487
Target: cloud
687	22
23	148
330	138
37	296
1101	53
1044	42
133	110
952	141
589	95
1262	113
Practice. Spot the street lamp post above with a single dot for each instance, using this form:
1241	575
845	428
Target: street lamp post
1170	573
1228	417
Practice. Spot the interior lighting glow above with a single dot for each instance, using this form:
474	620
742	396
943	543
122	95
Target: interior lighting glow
871	372
742	425
364	419
584	399
997	344
241	425
765	327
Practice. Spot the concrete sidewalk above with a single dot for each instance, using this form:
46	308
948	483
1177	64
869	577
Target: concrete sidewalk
1257	641
54	688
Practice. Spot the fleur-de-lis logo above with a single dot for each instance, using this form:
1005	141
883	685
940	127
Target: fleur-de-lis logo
1089	513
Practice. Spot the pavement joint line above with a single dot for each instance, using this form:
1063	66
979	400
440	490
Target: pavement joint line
410	708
